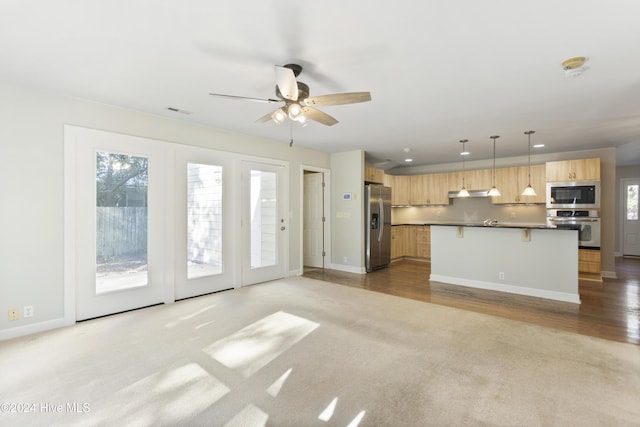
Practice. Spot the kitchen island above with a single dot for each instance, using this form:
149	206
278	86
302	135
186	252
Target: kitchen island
530	260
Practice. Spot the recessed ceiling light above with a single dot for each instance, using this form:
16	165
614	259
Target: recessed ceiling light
574	67
538	145
465	153
408	160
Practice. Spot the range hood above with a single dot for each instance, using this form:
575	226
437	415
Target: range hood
472	193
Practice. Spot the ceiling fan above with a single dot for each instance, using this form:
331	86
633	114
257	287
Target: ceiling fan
298	105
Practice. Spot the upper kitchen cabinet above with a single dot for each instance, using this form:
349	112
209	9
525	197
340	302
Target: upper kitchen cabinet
574	170
512	181
437	187
401	190
418	190
373	175
479	179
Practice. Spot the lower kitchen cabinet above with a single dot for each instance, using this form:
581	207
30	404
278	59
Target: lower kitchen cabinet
589	261
410	241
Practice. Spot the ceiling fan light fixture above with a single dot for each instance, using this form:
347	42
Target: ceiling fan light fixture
295	111
278	116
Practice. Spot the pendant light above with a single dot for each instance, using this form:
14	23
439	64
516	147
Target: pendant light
494	191
529	191
463	192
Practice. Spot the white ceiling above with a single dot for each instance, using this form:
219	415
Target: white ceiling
437	71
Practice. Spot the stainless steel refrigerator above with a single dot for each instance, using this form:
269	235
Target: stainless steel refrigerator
377	226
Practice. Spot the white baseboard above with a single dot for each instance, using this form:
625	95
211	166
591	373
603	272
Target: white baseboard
540	293
608	274
293	273
348	268
33	328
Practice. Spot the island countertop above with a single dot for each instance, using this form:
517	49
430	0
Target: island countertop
481	224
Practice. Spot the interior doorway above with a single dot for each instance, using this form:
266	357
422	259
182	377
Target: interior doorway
315	219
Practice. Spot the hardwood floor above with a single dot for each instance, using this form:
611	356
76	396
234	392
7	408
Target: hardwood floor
609	309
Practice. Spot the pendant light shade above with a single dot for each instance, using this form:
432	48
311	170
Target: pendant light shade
463	191
494	191
529	191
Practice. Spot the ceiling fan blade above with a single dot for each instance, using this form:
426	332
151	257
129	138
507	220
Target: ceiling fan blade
265	118
318	116
245	98
338	99
287	83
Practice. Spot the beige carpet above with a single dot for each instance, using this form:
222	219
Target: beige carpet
299	352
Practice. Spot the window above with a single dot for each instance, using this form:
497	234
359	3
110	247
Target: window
204	220
632	202
121	221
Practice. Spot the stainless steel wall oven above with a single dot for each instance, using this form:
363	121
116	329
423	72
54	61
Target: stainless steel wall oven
586	221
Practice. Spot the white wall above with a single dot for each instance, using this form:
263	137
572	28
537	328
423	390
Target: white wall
347	176
31	160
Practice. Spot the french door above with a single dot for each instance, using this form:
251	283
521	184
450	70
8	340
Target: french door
264	222
151	221
205	229
120	239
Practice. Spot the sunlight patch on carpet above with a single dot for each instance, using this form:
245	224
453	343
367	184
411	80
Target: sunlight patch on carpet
250	416
328	412
274	389
254	346
171	395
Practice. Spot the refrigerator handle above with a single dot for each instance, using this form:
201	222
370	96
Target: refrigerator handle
381	228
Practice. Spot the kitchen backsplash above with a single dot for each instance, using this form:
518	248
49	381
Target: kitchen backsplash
470	210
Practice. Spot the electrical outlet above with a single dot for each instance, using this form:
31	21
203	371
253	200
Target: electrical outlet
27	311
14	314
501	275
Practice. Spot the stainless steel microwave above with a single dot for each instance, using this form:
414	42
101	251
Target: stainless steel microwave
573	195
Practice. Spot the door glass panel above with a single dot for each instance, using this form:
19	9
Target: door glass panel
204	220
121	221
263	218
632	201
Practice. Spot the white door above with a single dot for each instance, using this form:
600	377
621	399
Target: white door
264	222
631	222
120	260
313	222
204	229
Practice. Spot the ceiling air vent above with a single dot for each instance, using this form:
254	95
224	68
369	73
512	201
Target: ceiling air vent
177	110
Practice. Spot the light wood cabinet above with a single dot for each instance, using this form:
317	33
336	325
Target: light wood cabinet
418	190
436	188
423	242
589	261
574	170
412	241
512	181
401	190
477	179
397	241
373	175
